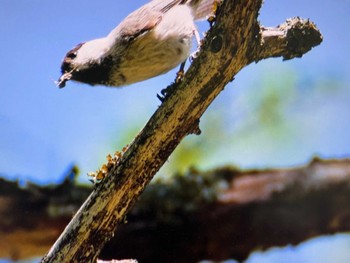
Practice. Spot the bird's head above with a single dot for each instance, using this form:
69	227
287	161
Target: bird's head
83	63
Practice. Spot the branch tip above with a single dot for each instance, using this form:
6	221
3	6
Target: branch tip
292	39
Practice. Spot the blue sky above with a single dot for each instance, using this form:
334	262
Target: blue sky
45	129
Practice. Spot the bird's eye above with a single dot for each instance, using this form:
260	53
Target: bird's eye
72	55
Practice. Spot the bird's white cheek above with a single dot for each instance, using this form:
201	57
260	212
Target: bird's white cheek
93	51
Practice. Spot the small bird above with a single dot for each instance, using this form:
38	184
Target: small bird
150	41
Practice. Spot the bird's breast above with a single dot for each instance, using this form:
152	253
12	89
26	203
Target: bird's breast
158	50
148	56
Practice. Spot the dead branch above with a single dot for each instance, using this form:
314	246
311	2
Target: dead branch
233	43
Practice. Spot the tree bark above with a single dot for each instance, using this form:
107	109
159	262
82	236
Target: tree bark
235	41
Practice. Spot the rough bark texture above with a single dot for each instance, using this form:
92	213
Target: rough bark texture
234	42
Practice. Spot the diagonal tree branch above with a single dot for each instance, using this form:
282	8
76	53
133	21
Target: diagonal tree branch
234	42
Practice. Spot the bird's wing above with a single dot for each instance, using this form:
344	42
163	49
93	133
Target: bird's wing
144	19
149	15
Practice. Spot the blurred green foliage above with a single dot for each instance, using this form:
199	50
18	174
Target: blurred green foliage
279	117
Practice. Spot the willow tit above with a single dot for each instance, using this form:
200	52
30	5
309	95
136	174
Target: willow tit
150	41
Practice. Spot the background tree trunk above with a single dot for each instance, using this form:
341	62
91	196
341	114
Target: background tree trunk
220	214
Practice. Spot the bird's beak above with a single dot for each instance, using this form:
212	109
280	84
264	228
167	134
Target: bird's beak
61	83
